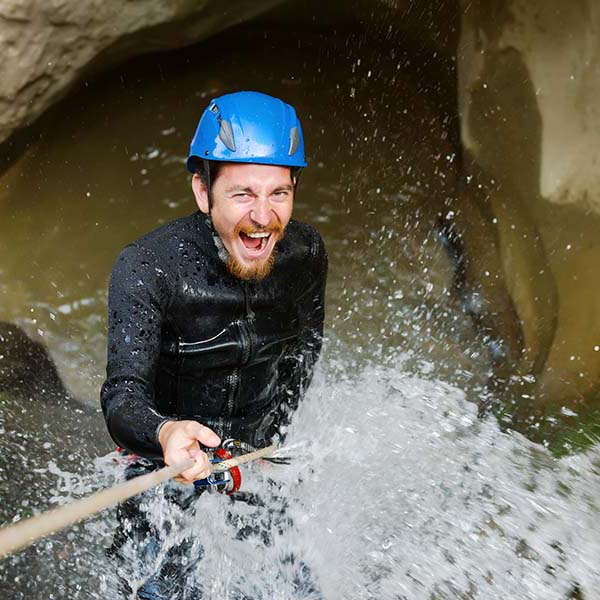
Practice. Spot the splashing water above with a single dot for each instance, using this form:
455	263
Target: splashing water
396	490
417	498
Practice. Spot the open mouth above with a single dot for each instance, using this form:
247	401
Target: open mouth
254	245
255	242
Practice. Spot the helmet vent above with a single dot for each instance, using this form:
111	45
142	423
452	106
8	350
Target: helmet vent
294	140
226	134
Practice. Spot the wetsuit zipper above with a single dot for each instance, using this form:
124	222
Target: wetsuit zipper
246	326
249	322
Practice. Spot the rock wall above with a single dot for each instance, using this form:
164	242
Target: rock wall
49	45
528	89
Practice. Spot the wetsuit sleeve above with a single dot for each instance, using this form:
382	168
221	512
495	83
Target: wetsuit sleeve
138	295
298	362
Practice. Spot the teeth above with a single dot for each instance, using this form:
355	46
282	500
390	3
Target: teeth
258	235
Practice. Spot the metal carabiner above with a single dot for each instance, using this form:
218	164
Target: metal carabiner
226	482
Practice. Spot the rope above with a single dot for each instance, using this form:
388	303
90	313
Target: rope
225	465
20	535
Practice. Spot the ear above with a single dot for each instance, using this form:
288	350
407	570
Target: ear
200	193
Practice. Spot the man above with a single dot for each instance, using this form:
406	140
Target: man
216	319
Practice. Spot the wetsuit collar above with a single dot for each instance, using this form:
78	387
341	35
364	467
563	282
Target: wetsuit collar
221	250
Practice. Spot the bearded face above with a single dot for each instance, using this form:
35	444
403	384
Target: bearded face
260	245
251	206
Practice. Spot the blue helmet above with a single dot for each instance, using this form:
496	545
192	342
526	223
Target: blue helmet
248	127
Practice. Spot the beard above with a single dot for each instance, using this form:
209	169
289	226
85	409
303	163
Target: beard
257	272
258	269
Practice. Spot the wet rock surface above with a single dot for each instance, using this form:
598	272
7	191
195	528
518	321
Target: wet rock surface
529	126
26	370
40	424
49	46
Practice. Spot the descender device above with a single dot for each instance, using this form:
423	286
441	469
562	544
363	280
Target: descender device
228	481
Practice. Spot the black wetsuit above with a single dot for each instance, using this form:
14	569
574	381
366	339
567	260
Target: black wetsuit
187	340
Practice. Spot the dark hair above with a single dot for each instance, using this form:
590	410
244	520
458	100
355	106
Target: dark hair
214	167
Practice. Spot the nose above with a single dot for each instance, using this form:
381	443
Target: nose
261	213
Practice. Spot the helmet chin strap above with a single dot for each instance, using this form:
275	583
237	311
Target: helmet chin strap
296	172
206	165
